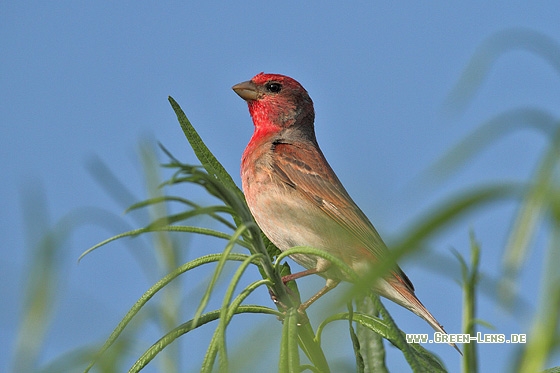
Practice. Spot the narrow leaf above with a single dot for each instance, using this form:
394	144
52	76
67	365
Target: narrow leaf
204	155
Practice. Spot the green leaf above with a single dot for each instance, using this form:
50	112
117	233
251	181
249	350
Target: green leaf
153	290
419	359
487	54
488	133
289	353
169	228
186	327
218	272
360	364
536	202
371	344
204	155
218	342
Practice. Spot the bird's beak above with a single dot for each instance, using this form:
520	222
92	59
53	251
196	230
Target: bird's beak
246	90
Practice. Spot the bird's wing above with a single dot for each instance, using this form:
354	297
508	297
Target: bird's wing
319	184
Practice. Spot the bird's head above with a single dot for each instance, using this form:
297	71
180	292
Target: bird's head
277	102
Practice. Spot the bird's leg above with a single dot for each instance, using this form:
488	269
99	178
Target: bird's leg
322	266
285	280
295	276
331	284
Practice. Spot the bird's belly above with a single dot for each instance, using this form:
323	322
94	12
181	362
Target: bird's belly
290	220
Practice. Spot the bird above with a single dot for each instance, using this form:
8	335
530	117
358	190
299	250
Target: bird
297	199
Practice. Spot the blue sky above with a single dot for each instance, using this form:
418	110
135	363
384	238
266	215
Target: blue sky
80	81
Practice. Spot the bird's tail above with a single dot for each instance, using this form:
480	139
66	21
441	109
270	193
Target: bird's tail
400	292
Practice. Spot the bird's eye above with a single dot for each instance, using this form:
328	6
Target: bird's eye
273	87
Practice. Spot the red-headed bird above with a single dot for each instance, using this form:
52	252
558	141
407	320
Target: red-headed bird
297	199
